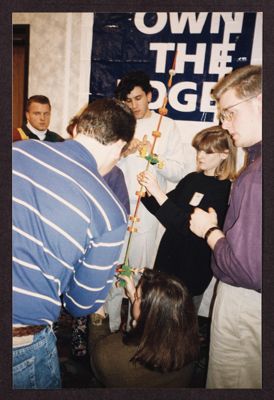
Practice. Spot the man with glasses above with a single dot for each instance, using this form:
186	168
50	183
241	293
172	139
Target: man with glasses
235	340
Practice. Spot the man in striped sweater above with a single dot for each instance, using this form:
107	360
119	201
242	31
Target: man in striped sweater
68	230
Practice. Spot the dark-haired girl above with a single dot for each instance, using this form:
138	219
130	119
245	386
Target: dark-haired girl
160	349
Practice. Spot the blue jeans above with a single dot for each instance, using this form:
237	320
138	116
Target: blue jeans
36	366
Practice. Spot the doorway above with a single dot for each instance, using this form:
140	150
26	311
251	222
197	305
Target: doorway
20	70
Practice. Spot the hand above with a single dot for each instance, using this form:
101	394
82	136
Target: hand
201	221
133	146
130	287
150	182
145	143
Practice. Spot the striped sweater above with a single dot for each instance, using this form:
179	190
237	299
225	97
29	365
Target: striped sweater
68	229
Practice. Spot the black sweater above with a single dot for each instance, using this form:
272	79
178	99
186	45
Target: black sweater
181	253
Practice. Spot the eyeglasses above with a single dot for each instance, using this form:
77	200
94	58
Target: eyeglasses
226	115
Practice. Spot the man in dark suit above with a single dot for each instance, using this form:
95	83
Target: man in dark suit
38	111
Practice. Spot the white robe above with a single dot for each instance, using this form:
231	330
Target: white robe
171	150
144	243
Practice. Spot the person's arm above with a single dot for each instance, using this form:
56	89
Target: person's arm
93	276
164	206
238	254
132	147
150	203
205	225
149	181
130	288
116	181
238	257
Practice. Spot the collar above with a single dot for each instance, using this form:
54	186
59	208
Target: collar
40	134
253	152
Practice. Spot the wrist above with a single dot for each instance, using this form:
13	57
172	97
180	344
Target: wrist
130	292
129	295
160	196
210	230
131	299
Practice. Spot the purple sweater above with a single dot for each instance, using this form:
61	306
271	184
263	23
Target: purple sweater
237	258
116	181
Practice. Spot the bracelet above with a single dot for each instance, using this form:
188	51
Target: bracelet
208	232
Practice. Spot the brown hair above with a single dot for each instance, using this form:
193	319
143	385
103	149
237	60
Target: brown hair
107	120
37	99
72	123
166	331
246	81
215	139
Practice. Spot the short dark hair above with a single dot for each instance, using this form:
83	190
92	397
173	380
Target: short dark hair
166	331
38	98
107	120
130	81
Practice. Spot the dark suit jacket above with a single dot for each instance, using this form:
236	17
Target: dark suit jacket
50	136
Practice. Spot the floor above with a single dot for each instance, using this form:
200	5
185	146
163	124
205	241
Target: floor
76	371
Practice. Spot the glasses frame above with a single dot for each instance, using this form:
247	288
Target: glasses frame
226	115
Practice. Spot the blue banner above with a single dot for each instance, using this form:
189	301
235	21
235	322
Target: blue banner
207	46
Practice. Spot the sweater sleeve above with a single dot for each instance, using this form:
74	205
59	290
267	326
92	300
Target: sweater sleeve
151	204
171	215
238	256
94	273
116	181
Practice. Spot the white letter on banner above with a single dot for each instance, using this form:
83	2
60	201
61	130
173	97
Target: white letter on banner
219	58
195	24
162	49
233	22
207	103
198	58
191	99
161	88
139	21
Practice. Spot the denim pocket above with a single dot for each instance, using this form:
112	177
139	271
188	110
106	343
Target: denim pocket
24	374
52	362
37	366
